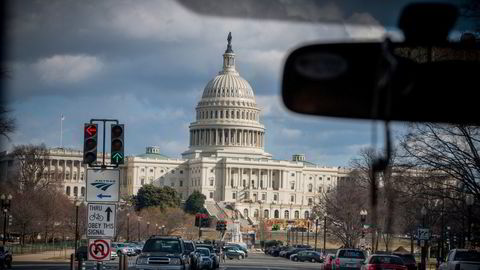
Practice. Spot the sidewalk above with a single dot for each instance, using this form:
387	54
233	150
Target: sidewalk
51	256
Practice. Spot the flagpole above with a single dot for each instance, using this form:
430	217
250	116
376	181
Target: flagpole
61	131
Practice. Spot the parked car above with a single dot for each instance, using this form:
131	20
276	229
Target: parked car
329	262
307	255
293	251
163	252
205	260
241	246
349	259
233	252
408	260
191	250
6	258
215	257
82	253
123	249
381	261
463	259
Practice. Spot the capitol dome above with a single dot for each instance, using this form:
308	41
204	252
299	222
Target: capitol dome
227	117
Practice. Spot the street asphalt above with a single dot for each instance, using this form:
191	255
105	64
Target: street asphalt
253	262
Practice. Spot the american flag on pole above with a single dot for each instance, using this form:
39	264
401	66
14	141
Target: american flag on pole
63	117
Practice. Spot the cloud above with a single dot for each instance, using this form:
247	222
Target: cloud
291	133
67	68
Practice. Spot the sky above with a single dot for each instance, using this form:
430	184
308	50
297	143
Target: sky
146	64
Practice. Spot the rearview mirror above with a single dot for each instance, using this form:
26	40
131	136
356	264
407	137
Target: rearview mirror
367	81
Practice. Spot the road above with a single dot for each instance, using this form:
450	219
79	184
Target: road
253	262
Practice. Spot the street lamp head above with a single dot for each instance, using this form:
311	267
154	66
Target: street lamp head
9	197
77	202
325	215
128	214
363	212
470	200
2	197
148	222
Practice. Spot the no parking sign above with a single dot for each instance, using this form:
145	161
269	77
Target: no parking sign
99	249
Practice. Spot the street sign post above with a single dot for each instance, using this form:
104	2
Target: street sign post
99	249
103	185
101	220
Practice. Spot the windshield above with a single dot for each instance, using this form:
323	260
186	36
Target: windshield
386	260
162	245
204	251
160	122
354	254
473	256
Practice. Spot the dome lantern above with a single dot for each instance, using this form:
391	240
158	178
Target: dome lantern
229	57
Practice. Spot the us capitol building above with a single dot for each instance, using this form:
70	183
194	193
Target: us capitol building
227	162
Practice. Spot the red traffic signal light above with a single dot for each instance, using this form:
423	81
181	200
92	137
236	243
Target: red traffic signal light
90	143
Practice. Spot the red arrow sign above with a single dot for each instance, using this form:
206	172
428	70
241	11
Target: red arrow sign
91	130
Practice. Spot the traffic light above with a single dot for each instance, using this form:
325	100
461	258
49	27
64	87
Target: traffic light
90	143
117	155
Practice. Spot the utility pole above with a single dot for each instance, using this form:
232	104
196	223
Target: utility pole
325	233
316	233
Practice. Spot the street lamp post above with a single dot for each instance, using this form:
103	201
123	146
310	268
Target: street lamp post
163	229
128	227
423	211
138	228
77	205
6	203
363	218
156	228
470	200
316	233
148	228
324	233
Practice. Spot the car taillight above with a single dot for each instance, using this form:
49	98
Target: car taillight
371	267
337	261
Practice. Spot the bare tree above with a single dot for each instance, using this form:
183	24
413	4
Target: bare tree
7	124
31	172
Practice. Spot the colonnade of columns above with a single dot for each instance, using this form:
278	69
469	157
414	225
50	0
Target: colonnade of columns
227	136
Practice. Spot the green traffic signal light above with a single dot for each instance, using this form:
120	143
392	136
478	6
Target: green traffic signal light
117	144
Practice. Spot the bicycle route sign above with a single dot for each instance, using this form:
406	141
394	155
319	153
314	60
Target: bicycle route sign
103	185
101	220
99	249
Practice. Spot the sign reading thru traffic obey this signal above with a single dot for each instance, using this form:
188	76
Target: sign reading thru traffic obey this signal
90	143
101	220
99	249
117	146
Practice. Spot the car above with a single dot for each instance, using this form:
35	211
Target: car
113	255
164	252
191	249
408	259
6	258
215	257
329	262
383	261
307	255
123	249
464	259
137	247
349	259
293	251
82	253
241	246
232	252
205	260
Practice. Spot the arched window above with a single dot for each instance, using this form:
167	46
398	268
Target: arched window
297	214
238	114
310	187
307	215
75	191
310	201
68	191
232	114
231	183
211	114
276	214
244	183
265	213
245	213
286	215
243	115
226	114
216	114
255	213
82	191
221	114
